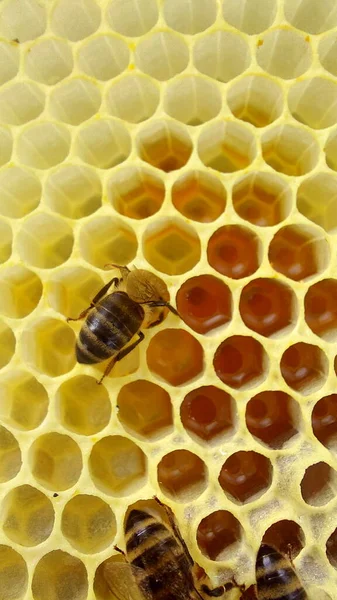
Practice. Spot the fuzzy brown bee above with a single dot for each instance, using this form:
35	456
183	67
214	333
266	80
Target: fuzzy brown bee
112	320
160	563
276	578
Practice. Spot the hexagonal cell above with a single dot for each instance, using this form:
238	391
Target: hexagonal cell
245	476
268	307
43	145
20	192
314	102
73	191
44	241
320	309
27	515
6	145
175	356
312	16
330	150
257	99
171	246
133	98
117	466
7	344
218	535
55	461
136	192
106	240
70	290
171	53
59	575
226	146
20	291
241	362
21	102
222	55
75	21
324	212
145	409
319	484
113	564
299	252
331	548
23	400
192	99
191	17
164	145
133	19
279	43
204	302
103	57
6	239
290	150
263	199
182	475
49	61
251	17
103	143
48	345
88	524
273	418
324	421
234	251
327	52
304	367
283	535
199	196
208	413
9	61
10	456
13	573
82	406
74	101
23	20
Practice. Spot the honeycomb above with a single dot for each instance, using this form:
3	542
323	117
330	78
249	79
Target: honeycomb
197	139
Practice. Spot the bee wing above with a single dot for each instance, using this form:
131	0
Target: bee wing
121	581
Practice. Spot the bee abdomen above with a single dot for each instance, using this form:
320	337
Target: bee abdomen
275	577
154	555
136	538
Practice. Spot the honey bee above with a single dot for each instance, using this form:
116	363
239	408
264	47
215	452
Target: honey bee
276	578
139	301
160	565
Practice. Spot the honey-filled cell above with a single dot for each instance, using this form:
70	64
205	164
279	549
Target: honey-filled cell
319	484
267	306
182	475
175	356
331	548
204	302
324	421
240	362
245	475
234	251
208	412
284	535
321	309
304	367
144	408
271	417
199	196
217	534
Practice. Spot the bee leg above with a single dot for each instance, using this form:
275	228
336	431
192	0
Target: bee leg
289	554
155	303
121	355
115	281
120	551
175	528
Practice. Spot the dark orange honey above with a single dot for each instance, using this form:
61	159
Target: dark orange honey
266	306
204	302
216	532
175	355
315	484
207	411
234	251
321	307
180	470
331	548
324	420
270	418
239	360
292	253
245	474
286	536
303	366
144	407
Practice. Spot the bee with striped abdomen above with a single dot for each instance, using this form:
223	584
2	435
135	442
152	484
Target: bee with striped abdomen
159	563
276	578
112	320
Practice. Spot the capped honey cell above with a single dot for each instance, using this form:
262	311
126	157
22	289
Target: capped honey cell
208	413
234	251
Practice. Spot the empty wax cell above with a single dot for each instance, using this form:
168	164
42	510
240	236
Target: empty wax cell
324	420
271	417
267	306
207	412
321	309
218	532
234	251
175	355
244	475
204	303
240	361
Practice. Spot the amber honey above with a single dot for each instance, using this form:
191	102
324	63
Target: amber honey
266	306
233	251
244	475
207	411
324	420
181	474
175	355
321	309
218	532
292	252
239	361
271	418
145	408
286	536
303	367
